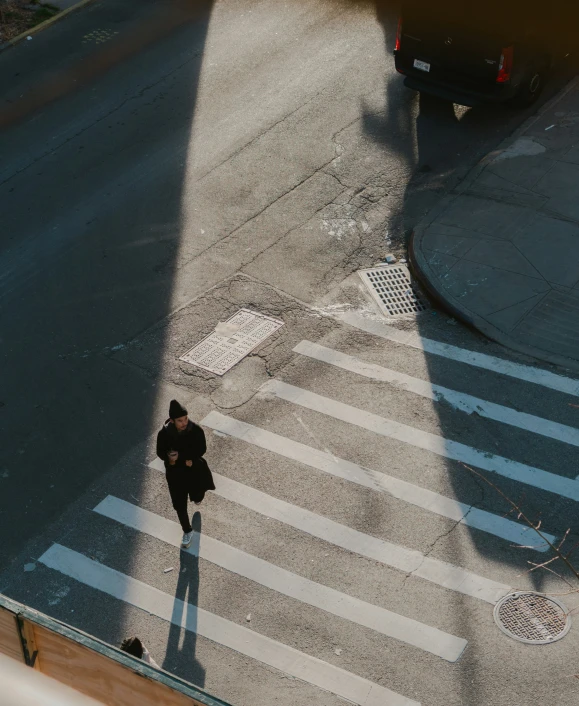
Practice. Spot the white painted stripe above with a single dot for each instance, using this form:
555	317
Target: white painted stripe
462	355
413	494
287	583
566	487
461	401
409	561
224	632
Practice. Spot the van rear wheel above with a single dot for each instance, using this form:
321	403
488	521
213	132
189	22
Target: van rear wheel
530	88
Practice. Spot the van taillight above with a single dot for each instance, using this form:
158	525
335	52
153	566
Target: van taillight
505	65
398	34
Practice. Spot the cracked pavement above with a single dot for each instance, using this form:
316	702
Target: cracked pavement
249	154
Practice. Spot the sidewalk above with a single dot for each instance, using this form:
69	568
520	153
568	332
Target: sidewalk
502	251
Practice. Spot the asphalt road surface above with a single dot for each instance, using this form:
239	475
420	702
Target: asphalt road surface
163	166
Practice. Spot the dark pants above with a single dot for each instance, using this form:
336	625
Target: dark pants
183	515
179	498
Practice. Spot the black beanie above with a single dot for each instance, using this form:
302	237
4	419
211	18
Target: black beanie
133	646
177	410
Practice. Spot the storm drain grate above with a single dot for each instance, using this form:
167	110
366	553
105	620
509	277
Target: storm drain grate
394	290
532	618
231	341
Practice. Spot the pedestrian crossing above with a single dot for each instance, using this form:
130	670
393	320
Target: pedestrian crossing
422	497
525	373
453	450
224	632
409	561
443	579
387	623
438	393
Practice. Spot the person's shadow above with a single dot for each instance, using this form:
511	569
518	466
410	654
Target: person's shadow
182	640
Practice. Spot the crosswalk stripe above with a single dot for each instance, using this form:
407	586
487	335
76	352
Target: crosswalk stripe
409	561
413	494
221	631
288	583
461	401
566	487
462	355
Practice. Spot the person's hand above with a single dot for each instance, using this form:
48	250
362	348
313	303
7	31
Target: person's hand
189	463
172	456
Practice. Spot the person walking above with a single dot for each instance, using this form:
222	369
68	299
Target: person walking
181	445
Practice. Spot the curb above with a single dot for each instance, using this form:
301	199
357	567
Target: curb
43	25
426	277
473	321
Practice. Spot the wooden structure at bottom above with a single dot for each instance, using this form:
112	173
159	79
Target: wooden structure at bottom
90	666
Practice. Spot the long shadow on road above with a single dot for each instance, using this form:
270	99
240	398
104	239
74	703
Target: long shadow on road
433	139
93	156
93	172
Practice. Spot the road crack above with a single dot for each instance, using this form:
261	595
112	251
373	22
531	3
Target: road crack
107	115
443	535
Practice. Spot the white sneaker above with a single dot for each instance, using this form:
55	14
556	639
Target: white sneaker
186	541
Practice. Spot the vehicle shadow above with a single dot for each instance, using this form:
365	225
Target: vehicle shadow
435	138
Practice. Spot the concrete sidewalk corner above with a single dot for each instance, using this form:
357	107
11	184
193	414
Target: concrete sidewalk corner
502	251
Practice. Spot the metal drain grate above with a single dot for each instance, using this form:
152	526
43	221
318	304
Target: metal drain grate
393	289
231	341
532	618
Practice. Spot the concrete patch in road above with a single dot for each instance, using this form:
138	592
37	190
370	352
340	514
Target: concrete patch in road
169	340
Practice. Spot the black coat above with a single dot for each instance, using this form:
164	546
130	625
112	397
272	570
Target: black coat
190	445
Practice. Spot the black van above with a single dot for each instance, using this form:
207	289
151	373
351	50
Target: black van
470	59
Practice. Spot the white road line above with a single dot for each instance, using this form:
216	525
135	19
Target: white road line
287	583
461	401
413	494
566	487
407	560
224	632
462	355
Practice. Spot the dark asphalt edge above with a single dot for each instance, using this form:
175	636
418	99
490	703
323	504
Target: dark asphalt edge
44	25
430	281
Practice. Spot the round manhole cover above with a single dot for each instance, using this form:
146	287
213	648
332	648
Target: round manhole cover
532	618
